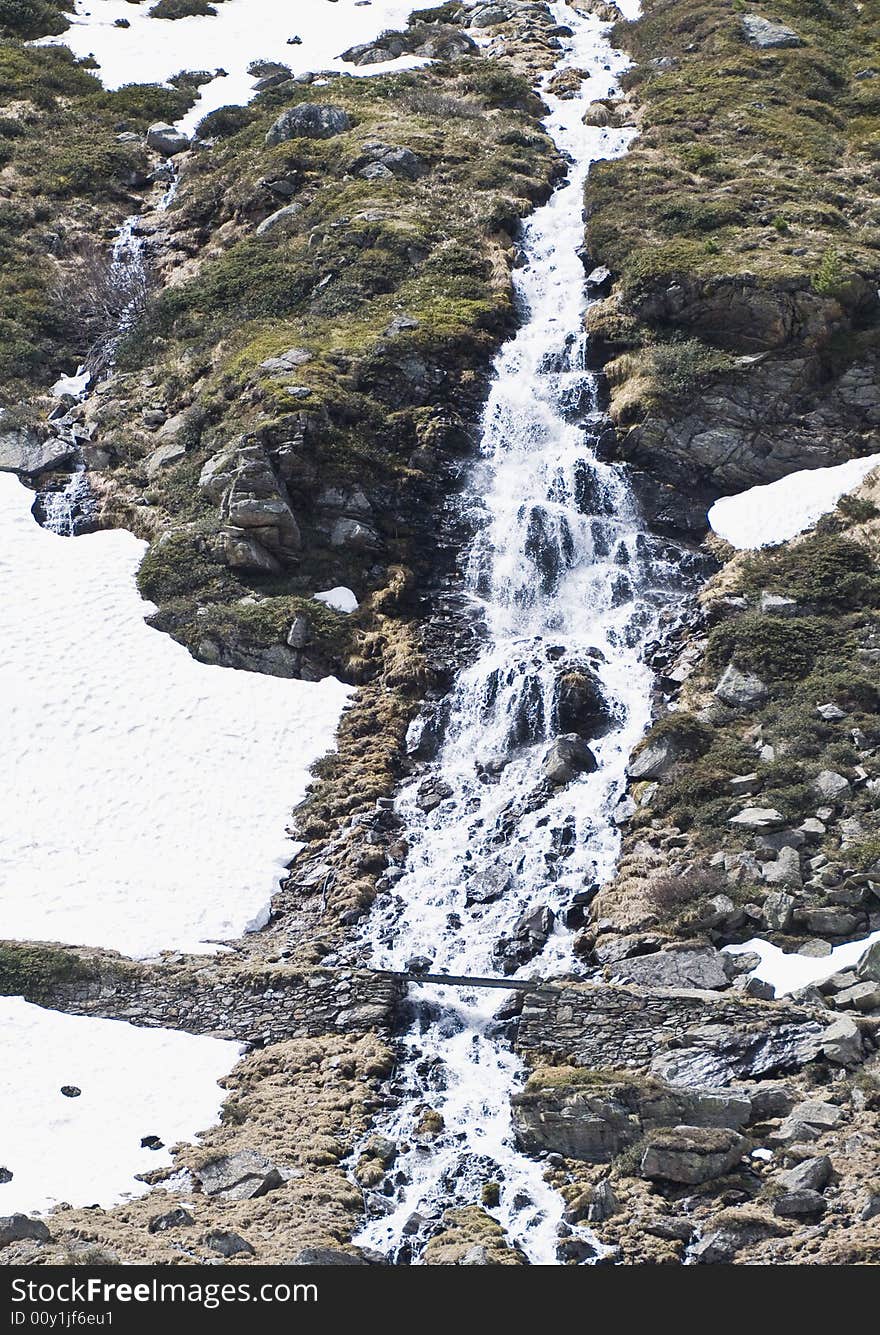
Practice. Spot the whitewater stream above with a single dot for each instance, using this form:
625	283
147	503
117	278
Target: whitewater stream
568	583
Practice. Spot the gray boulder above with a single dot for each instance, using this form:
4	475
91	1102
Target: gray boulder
228	1244
308	121
326	1256
178	1218
21	1228
567	757
811	1175
691	1154
239	1177
767	35
165	139
702	969
841	1042
27	450
758	819
830	786
868	967
280	219
740	690
799	1204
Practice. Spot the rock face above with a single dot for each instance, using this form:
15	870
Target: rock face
691	1155
563	1111
261	530
308	121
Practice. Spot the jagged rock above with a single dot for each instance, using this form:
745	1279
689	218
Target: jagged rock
703	969
829	785
27	449
758	818
228	1244
567	757
177	1218
165	457
691	1154
308	121
766	34
740	690
377	160
720	1246
654	760
239	1177
786	870
165	139
868	967
21	1228
841	1042
799	1204
810	1175
300	633
243	553
777	911
353	534
829	922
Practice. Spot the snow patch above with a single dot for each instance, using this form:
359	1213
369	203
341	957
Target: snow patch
788	973
72	384
780	510
134	1083
151	50
146	795
340	599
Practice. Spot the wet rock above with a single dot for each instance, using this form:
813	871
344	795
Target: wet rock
21	1228
691	1155
581	706
178	1218
239	1177
308	121
568	757
432	792
489	884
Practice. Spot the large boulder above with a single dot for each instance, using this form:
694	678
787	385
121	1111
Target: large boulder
27	450
239	1177
740	690
690	1154
567	757
21	1228
165	139
703	969
308	121
768	34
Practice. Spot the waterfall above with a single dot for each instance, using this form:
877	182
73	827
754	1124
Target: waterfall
501	862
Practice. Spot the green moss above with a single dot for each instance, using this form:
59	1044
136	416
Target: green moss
774	648
34	971
824	571
29	19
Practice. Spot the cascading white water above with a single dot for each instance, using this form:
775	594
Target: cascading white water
568	583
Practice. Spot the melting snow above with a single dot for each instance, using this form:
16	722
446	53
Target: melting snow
151	50
780	510
134	1083
787	973
146	795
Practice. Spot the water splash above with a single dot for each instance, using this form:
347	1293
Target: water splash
569	586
